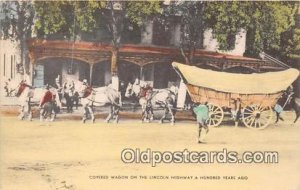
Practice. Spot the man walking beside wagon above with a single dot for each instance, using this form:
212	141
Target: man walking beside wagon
202	115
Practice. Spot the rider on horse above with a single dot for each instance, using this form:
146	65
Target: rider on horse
47	104
87	89
146	92
48	97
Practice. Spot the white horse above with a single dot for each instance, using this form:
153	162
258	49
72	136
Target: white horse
99	97
156	98
29	96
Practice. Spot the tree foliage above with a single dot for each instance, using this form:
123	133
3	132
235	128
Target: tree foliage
225	18
17	25
292	49
139	11
264	21
289	48
265	24
270	25
190	15
61	16
66	17
70	18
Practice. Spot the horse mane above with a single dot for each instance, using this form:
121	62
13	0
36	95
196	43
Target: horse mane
22	87
27	85
31	87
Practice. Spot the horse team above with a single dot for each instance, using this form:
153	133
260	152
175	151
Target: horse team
49	100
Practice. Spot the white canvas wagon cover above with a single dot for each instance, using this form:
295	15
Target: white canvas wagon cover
256	83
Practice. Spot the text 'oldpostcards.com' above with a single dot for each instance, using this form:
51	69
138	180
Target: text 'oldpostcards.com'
154	158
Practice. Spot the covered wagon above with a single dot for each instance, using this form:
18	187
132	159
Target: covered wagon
257	92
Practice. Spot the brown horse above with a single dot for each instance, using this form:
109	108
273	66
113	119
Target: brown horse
288	98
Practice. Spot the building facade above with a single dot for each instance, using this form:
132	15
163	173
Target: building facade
9	58
146	53
144	59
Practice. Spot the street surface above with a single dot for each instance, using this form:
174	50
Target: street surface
71	155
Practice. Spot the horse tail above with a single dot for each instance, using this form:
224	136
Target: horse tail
174	104
173	101
114	97
172	98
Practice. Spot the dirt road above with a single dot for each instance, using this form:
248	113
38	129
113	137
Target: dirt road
71	155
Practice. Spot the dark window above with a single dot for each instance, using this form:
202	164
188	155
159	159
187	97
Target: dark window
231	41
161	33
164	75
148	71
160	76
131	33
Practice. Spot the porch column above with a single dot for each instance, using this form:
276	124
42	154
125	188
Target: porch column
115	82
31	74
91	74
181	94
141	73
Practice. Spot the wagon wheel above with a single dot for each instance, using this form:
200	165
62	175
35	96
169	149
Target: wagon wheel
257	116
216	115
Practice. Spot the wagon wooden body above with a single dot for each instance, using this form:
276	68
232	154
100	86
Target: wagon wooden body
221	90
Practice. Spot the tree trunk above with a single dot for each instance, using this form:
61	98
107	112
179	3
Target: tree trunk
22	57
186	58
191	54
201	38
91	75
27	68
114	62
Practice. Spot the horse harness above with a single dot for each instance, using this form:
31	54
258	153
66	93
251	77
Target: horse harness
90	91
